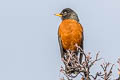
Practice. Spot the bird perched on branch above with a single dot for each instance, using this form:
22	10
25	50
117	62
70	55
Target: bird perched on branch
70	32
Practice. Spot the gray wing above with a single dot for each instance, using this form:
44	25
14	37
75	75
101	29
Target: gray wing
61	48
81	54
82	41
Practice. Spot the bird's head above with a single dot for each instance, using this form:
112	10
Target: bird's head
68	13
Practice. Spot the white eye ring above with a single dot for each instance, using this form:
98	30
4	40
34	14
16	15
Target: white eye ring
65	12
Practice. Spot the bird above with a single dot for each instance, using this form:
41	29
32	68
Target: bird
70	32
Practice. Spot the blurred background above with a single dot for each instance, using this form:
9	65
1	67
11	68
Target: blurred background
29	47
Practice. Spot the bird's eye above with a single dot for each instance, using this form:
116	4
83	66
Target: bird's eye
65	12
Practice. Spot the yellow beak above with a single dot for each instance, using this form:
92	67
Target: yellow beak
58	15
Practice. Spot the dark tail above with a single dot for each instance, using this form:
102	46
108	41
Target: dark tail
80	58
81	53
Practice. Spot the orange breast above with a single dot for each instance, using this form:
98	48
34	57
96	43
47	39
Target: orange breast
70	32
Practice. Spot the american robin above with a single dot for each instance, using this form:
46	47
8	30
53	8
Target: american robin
70	32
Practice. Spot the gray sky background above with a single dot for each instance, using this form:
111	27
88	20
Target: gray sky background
28	35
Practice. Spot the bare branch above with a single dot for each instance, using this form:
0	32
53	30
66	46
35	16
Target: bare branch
73	68
106	74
